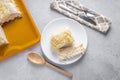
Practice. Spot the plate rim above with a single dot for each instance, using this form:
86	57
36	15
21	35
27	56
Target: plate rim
42	40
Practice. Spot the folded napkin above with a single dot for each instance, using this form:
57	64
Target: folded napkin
82	14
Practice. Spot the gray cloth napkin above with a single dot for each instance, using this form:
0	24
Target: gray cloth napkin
82	14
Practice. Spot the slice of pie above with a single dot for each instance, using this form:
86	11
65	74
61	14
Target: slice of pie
61	39
3	39
8	11
71	51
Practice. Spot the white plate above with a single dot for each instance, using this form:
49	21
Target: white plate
77	30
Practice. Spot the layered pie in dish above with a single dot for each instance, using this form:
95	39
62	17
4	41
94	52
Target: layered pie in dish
3	39
8	11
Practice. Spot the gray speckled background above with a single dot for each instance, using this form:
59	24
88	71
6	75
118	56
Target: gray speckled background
101	61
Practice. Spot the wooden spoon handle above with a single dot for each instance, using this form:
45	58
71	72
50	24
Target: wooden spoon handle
60	70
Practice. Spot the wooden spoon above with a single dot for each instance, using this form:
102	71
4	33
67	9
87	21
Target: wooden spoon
38	59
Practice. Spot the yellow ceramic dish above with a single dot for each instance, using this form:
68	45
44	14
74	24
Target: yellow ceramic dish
21	33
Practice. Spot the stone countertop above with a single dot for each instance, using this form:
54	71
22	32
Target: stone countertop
101	61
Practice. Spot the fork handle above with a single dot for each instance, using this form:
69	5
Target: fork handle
60	70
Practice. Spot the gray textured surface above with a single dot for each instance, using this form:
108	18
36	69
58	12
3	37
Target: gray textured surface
101	61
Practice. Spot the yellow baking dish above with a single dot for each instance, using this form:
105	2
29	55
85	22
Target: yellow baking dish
21	33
